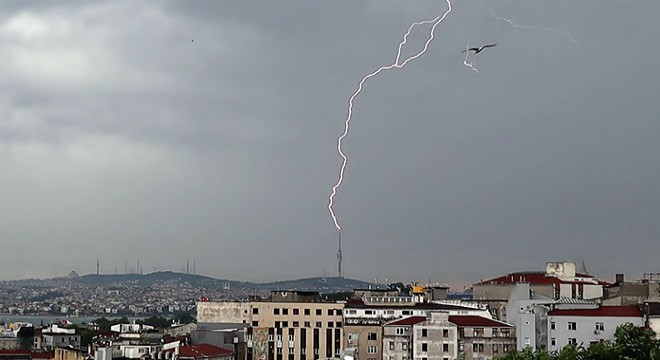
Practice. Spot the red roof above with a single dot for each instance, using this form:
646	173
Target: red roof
202	351
475	320
537	278
604	311
42	355
409	321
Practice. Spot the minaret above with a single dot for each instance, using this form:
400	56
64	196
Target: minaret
339	258
97	266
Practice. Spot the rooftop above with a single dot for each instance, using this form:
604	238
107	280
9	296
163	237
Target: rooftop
474	320
540	277
603	311
202	351
409	321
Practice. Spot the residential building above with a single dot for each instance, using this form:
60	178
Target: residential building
527	312
586	326
560	279
435	338
632	292
290	325
56	336
652	313
483	338
204	352
364	318
398	338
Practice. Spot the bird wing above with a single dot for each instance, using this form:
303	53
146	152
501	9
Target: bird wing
489	45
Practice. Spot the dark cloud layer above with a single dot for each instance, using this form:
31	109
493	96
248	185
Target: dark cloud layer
122	138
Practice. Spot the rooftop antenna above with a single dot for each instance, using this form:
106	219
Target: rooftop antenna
97	266
339	258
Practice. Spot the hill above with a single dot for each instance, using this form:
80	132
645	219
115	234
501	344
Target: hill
321	284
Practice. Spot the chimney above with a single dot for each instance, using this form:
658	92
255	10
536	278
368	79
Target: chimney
619	278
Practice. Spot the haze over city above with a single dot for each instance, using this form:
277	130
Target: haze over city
206	131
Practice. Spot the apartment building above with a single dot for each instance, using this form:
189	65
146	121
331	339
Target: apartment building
483	338
398	338
435	338
589	325
291	325
559	280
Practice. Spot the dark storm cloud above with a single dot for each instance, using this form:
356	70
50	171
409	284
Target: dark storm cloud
123	138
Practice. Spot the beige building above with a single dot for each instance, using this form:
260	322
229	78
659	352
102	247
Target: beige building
483	338
69	354
364	338
291	325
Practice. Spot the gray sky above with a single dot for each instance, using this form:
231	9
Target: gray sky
121	138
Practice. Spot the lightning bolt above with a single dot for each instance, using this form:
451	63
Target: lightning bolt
539	28
466	62
398	64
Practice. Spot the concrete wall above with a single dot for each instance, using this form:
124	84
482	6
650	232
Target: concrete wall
69	354
357	337
586	329
435	338
223	312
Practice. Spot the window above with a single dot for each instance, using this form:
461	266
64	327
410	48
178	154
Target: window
338	324
277	324
506	348
318	324
338	312
372	349
255	323
404	346
330	312
391	345
445	347
425	332
285	324
285	311
400	331
270	337
352	336
372	336
307	312
425	347
495	332
572	325
478	347
496	348
319	312
445	333
255	311
478	332
296	324
506	332
368	312
276	311
600	326
291	337
330	324
406	312
572	341
553	341
552	325
296	312
308	324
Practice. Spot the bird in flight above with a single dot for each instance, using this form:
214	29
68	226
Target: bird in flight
479	49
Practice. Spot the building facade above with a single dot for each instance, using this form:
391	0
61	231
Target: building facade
587	326
483	338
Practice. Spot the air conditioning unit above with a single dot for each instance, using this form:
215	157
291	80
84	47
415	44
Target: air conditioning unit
596	332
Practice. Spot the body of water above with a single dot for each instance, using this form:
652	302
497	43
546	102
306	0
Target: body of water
37	320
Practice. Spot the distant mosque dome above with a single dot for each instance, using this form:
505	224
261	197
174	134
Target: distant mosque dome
73	274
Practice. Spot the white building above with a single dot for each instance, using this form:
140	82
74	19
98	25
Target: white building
589	325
